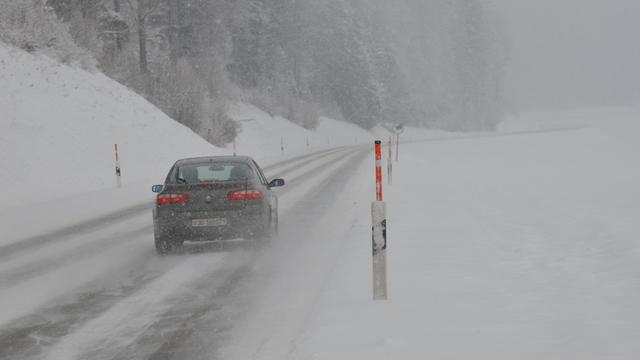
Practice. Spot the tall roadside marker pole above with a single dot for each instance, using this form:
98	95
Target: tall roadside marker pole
398	129
118	171
389	162
379	232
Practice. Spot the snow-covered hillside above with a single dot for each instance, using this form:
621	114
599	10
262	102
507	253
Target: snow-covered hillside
59	126
265	136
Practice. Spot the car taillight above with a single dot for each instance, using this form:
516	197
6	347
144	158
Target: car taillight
249	194
172	198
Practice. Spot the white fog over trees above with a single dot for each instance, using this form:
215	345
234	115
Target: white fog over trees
571	53
438	63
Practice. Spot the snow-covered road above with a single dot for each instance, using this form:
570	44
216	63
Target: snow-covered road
101	291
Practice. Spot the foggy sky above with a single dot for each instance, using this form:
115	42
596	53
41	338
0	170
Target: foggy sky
572	53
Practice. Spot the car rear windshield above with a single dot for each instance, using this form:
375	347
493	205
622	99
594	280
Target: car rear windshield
211	172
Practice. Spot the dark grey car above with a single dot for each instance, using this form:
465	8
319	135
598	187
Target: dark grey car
214	198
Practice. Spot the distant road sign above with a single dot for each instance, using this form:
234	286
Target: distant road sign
398	128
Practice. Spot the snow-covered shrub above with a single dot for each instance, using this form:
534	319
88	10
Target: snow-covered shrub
223	129
30	25
296	110
179	92
264	102
303	113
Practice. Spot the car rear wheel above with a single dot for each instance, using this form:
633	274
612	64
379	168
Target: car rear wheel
264	233
165	246
274	222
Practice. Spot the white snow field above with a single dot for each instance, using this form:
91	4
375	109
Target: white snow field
510	247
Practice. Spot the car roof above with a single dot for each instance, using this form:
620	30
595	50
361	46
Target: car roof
201	159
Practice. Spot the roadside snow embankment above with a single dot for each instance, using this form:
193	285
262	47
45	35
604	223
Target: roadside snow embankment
59	126
270	138
57	134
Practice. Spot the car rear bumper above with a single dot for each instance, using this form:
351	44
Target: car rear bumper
246	223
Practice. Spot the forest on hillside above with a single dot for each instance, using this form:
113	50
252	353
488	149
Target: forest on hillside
432	63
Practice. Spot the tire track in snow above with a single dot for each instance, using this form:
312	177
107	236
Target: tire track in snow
292	163
211	299
129	317
28	271
333	185
28	244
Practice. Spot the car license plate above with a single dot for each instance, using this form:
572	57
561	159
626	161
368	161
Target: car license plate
209	222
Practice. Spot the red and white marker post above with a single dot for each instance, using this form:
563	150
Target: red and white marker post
118	171
379	229
397	146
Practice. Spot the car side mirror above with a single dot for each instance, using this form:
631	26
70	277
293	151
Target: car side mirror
157	188
276	183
